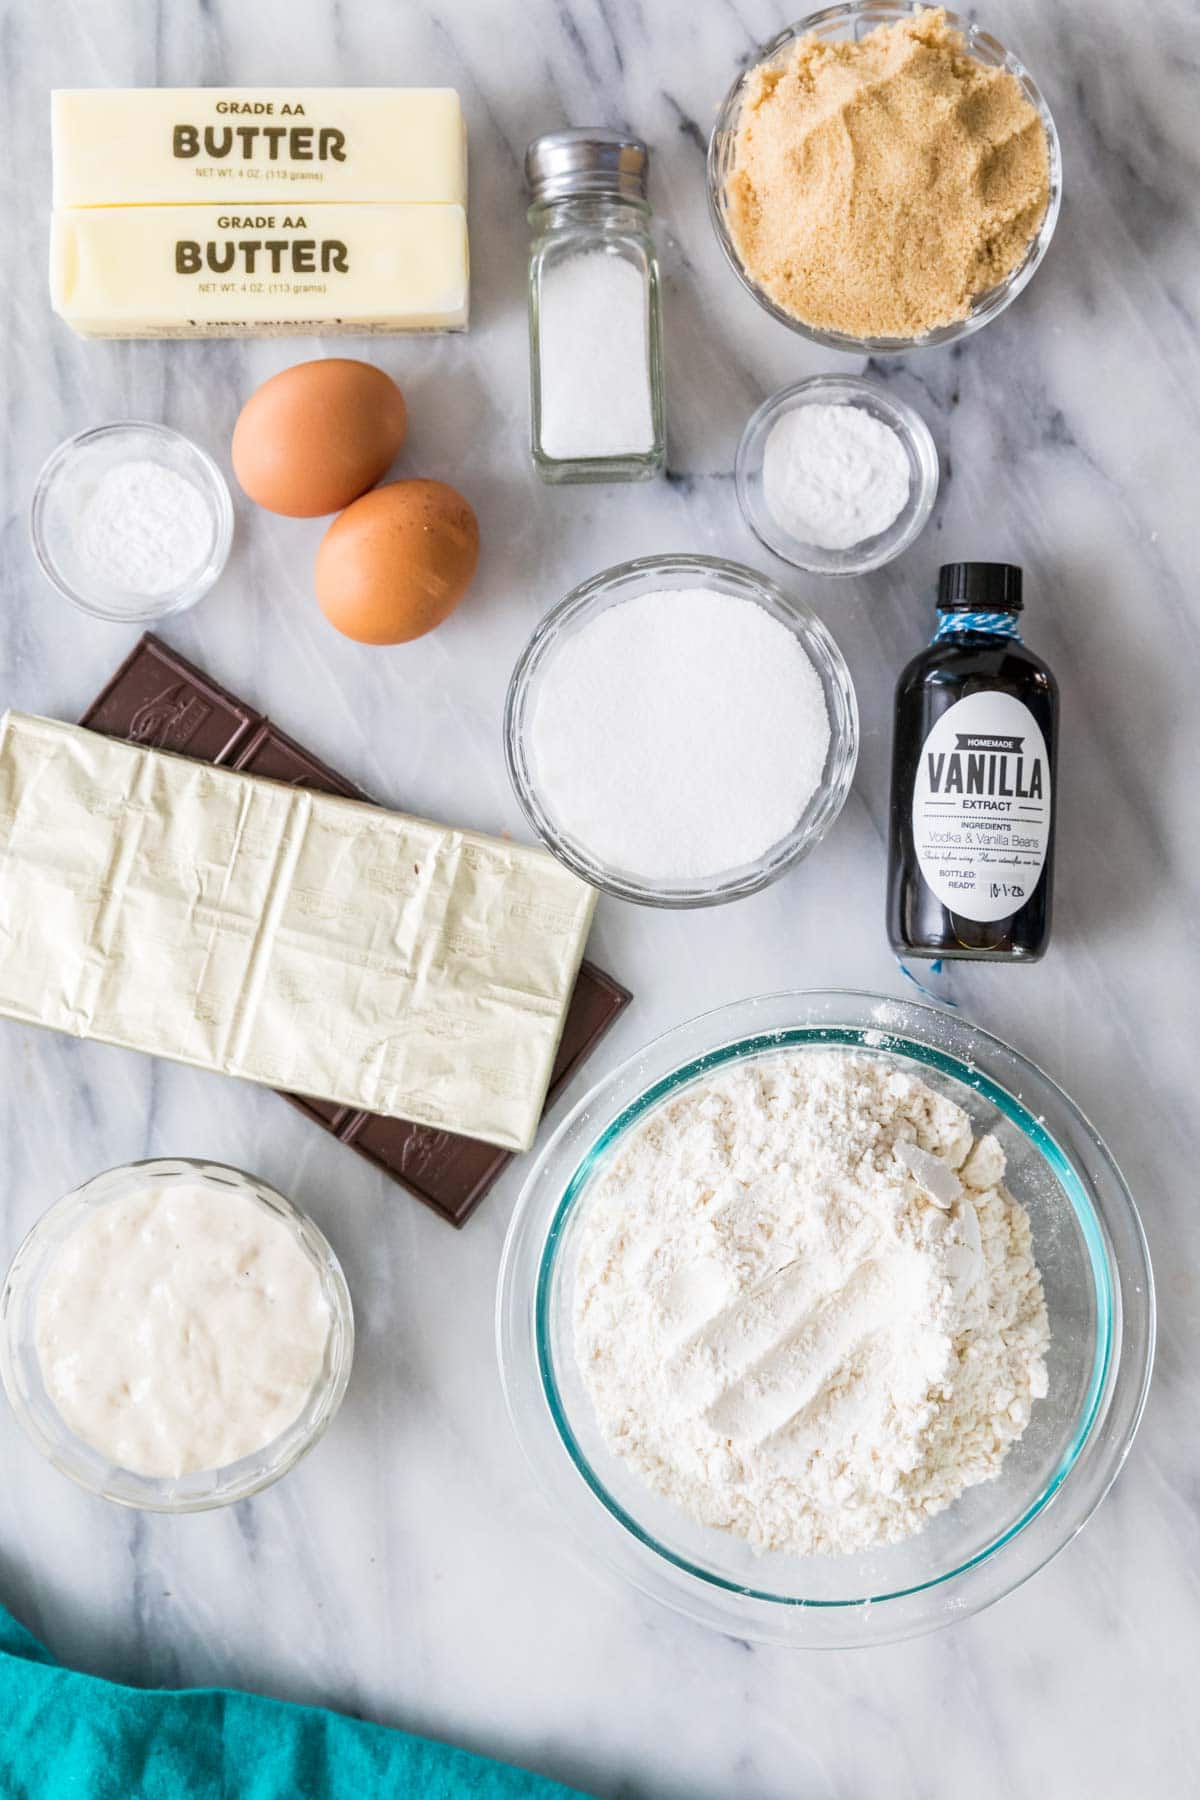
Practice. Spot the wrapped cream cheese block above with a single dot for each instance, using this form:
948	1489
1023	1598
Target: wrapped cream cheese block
221	212
311	943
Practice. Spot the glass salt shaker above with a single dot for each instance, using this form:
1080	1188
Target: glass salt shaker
595	317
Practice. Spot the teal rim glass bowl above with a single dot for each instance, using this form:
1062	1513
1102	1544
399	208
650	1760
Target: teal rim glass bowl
1099	1288
851	21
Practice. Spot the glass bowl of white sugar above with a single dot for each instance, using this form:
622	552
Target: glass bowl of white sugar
740	1415
680	732
131	521
175	1335
836	474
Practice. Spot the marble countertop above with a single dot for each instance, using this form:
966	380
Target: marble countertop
407	1571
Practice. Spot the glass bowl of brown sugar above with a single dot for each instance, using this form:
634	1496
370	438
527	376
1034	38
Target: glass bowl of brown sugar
851	23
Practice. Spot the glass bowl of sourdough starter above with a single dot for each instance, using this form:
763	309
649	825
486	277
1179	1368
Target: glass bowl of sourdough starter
852	21
1087	1240
58	521
21	1371
611	588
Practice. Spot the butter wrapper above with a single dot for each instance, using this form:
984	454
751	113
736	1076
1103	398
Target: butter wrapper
307	942
263	271
246	146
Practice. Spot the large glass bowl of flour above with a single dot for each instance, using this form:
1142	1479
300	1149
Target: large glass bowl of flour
1087	1241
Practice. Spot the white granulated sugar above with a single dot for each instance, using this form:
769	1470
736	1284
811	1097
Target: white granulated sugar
679	734
783	1330
834	476
144	529
593	357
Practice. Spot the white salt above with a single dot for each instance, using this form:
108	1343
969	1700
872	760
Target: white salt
679	735
834	476
594	357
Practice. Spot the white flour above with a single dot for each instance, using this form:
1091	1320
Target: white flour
783	1331
144	529
834	476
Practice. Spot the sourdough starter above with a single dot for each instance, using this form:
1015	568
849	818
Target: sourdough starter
179	1329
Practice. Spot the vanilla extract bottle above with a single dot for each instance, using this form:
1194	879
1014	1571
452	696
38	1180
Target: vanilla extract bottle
971	838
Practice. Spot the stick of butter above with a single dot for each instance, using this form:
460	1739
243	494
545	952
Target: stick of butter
315	944
234	146
209	271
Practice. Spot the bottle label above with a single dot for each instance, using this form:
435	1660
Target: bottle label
981	807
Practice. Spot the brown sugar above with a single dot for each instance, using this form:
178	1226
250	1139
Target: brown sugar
878	187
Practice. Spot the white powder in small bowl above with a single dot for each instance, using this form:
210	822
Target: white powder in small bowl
145	529
678	735
834	476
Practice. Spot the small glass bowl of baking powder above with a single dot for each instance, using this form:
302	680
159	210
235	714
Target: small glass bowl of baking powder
131	521
26	1385
897	459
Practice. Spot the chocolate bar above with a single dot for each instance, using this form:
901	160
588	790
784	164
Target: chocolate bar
158	698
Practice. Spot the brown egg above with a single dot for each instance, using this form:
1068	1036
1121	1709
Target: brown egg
315	437
397	562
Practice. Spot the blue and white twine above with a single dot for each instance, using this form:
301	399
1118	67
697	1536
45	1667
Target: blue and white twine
999	624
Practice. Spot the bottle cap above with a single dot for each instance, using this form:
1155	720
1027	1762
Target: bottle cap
586	160
979	587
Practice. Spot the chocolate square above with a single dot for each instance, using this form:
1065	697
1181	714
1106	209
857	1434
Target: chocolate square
274	755
159	699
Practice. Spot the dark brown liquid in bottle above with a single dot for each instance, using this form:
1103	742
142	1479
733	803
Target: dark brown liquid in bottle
951	669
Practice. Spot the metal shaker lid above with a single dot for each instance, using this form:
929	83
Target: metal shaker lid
586	160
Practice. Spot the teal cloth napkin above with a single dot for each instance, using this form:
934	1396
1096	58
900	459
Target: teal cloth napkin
66	1736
